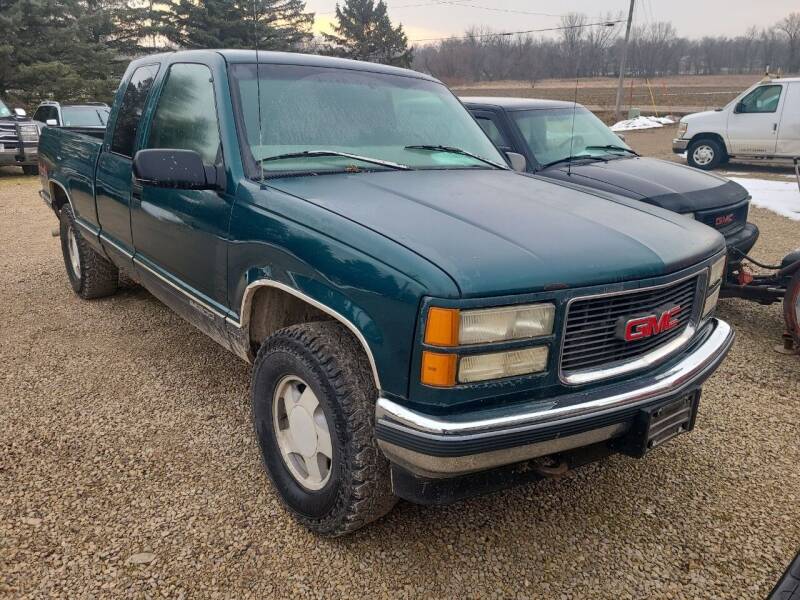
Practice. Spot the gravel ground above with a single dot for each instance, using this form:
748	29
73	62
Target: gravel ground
128	468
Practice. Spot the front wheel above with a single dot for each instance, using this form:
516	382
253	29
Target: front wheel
705	154
313	409
791	309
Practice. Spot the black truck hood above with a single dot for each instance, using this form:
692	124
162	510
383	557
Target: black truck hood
675	187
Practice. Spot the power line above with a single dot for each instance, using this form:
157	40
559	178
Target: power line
507	33
462	4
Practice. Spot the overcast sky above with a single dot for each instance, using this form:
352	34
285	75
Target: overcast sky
692	18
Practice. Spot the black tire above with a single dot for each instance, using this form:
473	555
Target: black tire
95	276
706	154
30	169
326	356
791	308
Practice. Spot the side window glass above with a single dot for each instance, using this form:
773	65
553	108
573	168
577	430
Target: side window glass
490	128
763	99
39	114
186	117
130	111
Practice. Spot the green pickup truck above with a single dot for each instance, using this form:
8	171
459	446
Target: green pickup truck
423	322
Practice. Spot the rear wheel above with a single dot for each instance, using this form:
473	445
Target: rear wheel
791	309
90	274
705	154
313	407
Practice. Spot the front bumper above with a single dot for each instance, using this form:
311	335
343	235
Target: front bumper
12	157
741	242
679	145
437	447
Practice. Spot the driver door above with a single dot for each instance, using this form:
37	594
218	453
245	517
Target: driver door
753	124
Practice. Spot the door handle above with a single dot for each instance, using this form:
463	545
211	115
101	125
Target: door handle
774	127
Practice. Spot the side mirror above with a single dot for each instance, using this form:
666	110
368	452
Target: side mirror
518	162
51	122
177	169
739	108
620	136
20	112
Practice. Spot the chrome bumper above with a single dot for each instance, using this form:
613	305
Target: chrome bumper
438	446
679	145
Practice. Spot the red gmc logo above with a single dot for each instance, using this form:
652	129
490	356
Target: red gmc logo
723	220
639	328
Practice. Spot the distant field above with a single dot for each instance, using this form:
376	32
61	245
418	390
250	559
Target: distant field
665	95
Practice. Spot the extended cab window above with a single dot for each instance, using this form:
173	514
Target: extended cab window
130	111
186	117
763	99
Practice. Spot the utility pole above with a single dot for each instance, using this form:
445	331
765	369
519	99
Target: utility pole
621	80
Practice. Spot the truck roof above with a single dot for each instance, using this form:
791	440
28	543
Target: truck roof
512	104
288	58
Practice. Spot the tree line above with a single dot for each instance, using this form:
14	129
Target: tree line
587	50
76	50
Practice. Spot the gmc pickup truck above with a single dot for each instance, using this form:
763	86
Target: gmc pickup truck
423	322
19	137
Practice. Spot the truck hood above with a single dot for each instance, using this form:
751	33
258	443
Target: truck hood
498	232
658	182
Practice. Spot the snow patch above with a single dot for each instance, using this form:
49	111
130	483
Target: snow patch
782	197
642	123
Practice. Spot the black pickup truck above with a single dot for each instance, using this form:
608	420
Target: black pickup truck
19	138
566	142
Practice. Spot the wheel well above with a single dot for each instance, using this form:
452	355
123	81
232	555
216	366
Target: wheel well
710	136
272	309
58	196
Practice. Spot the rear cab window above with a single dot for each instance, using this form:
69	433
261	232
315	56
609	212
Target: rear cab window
130	111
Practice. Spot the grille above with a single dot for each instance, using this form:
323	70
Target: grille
8	134
726	220
590	339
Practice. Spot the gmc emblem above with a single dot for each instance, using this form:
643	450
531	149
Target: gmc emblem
639	328
723	220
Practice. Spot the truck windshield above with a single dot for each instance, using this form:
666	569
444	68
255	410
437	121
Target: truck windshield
84	116
326	112
4	110
548	133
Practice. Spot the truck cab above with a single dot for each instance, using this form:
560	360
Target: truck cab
423	322
763	122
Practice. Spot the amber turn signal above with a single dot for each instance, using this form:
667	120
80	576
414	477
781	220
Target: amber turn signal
441	328
438	369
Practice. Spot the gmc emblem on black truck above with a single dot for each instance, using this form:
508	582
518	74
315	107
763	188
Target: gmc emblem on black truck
639	328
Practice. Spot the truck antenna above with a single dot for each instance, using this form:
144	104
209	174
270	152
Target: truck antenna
258	88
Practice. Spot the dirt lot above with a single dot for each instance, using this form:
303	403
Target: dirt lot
128	468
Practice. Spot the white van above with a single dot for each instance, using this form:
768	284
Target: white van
762	122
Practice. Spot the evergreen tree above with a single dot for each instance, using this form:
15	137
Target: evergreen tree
60	49
276	24
364	32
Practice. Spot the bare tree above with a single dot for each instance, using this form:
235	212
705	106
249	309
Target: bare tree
790	26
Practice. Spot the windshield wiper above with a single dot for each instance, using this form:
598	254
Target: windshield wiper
612	147
313	153
571	158
453	150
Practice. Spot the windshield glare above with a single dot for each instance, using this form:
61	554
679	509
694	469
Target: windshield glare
548	133
368	114
84	116
4	111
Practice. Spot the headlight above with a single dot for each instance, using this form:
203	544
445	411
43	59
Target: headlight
716	272
453	327
29	132
502	364
682	127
